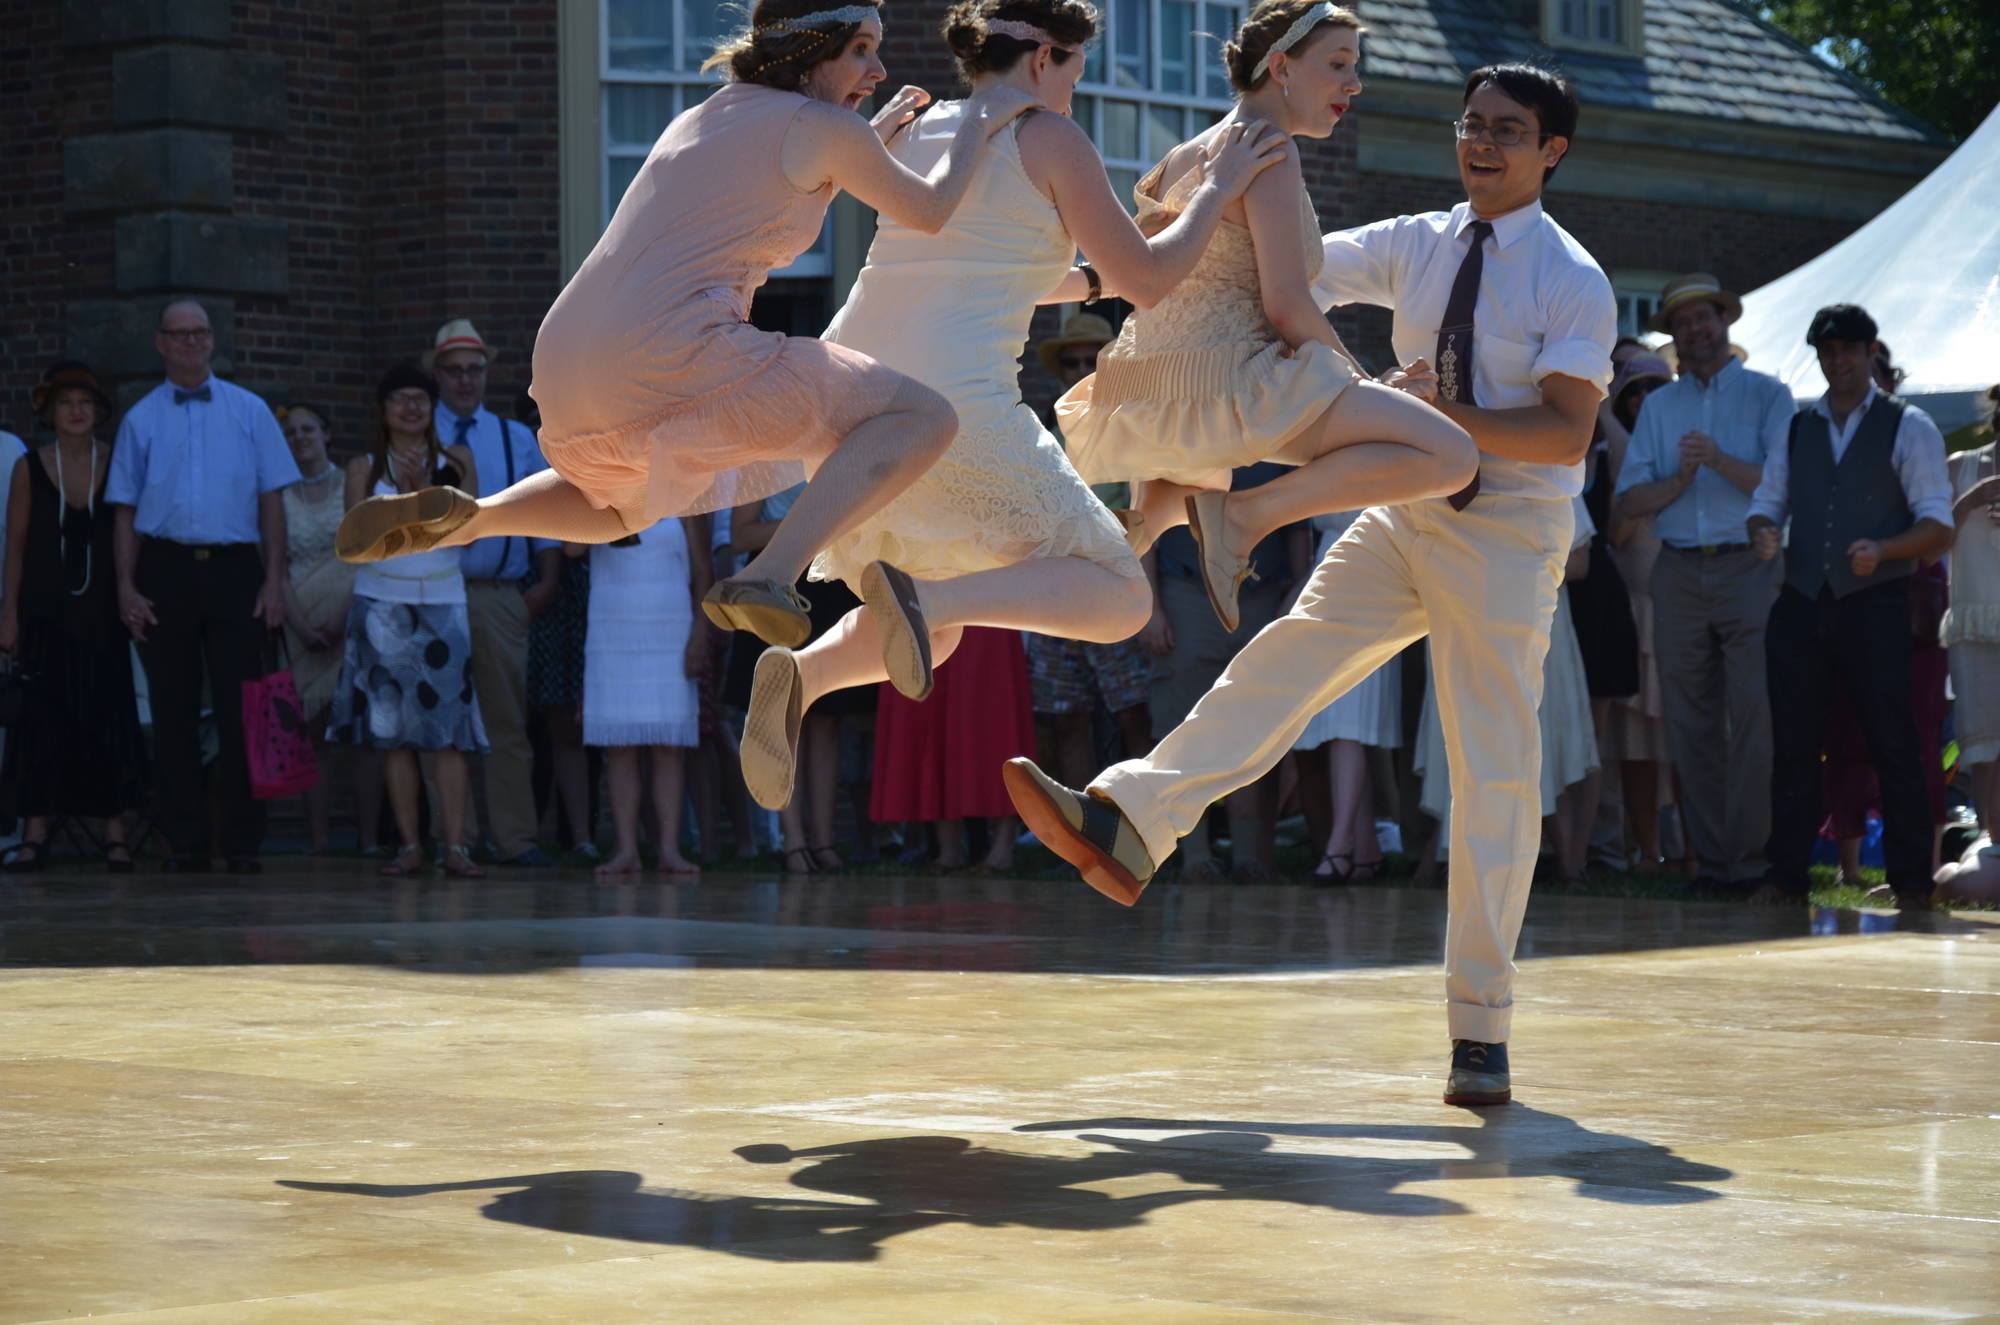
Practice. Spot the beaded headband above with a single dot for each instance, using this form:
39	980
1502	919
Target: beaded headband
824	18
1010	27
1309	20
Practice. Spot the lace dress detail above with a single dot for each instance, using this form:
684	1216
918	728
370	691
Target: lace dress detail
320	581
952	311
658	397
1201	383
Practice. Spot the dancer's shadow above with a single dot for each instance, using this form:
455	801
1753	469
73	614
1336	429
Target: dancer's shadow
896	1185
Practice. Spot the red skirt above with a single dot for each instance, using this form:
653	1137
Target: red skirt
941	759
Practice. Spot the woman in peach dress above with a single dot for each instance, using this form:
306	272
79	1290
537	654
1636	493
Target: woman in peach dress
658	398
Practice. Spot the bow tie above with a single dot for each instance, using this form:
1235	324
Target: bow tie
202	393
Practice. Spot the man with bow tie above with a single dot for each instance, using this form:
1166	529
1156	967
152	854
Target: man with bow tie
199	533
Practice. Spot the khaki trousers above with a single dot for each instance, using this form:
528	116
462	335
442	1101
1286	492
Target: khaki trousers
1482	583
1709	614
499	619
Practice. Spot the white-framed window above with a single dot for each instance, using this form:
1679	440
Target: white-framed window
1608	25
1153	78
1634	308
649	72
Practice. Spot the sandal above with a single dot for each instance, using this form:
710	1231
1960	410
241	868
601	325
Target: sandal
1330	871
117	858
458	863
803	853
820	855
775	613
1366	871
27	858
407	861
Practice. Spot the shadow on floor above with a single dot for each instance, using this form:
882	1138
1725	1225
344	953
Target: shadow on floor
897	1185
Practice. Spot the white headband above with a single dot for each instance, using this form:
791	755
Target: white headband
1008	27
1309	20
825	18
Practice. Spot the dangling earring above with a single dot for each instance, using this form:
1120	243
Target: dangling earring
1285	90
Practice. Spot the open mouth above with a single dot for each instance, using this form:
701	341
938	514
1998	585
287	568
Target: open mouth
1485	168
1339	108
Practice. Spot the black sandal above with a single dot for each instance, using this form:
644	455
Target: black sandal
819	862
27	858
1366	871
811	866
1335	874
117	858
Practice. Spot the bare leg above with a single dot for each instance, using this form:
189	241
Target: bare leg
572	772
542	505
1163	506
1986	796
951	852
1070	749
1068	597
1136	725
851	655
667	786
399	770
866	471
1350	789
1000	835
621	774
821	758
454	793
368	796
1642	809
1376	446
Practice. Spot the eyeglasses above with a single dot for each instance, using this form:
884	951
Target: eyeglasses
462	370
1501	135
410	396
1083	361
188	335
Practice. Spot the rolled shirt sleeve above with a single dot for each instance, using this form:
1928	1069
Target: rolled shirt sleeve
1920	464
1582	328
1365	265
276	467
1774	429
1772	500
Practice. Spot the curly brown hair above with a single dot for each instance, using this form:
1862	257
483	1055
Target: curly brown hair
1269	21
776	54
979	51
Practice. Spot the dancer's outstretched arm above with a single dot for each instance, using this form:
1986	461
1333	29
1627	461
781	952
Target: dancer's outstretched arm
827	144
1061	159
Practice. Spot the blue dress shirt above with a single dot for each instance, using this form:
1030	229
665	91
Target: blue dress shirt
500	464
194	470
1749	415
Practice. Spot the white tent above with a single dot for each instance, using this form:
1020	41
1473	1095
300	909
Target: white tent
1927	269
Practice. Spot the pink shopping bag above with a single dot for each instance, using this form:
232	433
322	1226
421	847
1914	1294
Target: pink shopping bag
276	743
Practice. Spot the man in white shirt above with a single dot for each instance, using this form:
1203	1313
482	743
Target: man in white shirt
1519	321
1862	478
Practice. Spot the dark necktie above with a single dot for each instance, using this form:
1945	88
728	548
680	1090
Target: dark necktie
463	429
1454	352
203	393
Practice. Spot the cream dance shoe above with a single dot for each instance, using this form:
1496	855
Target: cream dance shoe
771	731
1221	574
394	525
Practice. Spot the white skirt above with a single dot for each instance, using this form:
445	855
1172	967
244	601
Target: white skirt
636	690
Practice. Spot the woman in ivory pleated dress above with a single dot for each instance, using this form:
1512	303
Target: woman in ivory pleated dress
658	397
1239	363
1001	531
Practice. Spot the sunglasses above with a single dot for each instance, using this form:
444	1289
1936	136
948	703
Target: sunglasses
1077	360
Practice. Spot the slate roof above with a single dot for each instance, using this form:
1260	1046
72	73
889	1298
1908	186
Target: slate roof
1703	57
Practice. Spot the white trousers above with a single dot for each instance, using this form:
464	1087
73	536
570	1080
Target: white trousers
1482	583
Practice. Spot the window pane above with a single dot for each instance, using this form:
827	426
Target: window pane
1122	184
635	113
1163	130
1219	23
1083	110
641	33
1130	34
1121	130
703	24
1609	24
1093	58
1177	67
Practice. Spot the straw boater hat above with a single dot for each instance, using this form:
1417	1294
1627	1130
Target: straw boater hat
1080	329
1695	285
458	334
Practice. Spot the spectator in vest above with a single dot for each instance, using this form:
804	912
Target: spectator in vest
1696	455
1862	479
508	583
199	533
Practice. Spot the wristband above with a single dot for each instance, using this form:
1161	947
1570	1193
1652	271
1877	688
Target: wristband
1096	285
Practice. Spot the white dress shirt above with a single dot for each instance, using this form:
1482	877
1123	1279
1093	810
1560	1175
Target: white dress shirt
1918	458
1544	307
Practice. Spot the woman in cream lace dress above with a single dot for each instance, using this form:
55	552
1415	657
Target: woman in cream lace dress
1238	364
1000	531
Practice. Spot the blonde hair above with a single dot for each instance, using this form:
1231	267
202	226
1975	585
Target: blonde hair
1265	25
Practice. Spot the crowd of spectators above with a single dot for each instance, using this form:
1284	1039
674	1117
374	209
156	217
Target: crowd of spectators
1759	646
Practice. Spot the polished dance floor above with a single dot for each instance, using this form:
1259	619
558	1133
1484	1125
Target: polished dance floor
317	1097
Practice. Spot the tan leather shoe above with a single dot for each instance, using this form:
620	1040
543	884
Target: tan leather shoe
1092	834
398	524
771	731
775	613
1221	574
891	599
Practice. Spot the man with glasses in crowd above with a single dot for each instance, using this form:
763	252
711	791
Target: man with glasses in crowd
499	598
1696	456
199	540
1519	321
